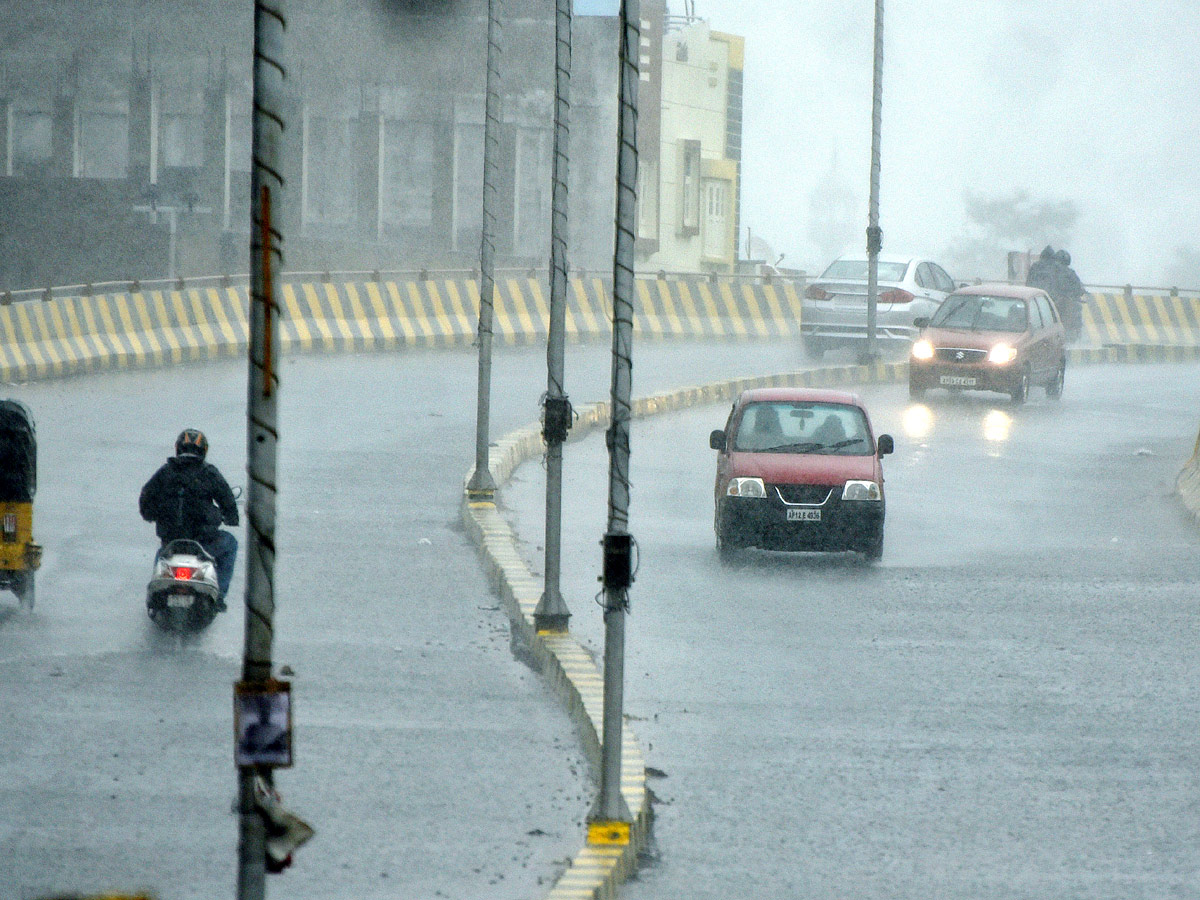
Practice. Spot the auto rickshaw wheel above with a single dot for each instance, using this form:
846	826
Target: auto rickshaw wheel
24	588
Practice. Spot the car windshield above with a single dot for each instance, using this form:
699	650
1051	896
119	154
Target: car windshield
856	269
973	312
790	427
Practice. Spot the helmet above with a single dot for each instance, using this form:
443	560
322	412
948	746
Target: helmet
1063	257
191	442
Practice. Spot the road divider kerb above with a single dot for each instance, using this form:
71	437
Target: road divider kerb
569	668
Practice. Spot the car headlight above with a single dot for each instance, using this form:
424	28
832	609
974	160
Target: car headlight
861	490
922	349
746	487
1002	353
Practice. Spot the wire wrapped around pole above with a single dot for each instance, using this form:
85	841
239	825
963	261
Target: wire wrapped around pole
552	613
611	805
266	260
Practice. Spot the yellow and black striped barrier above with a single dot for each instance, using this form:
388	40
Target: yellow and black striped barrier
1129	318
63	335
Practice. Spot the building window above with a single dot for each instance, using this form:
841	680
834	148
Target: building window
330	149
183	141
689	187
103	145
531	208
716	219
32	134
408	175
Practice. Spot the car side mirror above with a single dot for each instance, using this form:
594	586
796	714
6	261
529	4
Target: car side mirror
921	321
885	445
716	440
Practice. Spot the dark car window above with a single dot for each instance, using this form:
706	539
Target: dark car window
972	312
944	281
1049	313
786	427
857	269
1035	315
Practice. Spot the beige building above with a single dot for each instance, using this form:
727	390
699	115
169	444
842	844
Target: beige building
690	189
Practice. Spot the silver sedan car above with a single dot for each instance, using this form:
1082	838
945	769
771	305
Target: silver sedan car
834	308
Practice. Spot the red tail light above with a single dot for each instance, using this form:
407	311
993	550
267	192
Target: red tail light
816	292
183	573
895	296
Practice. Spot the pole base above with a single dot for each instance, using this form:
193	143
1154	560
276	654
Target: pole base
551	614
482	487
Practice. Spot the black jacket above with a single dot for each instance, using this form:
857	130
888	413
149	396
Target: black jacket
188	498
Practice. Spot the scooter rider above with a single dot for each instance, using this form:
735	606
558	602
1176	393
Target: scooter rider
189	498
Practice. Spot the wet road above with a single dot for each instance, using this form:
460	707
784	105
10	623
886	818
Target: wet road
431	763
1004	707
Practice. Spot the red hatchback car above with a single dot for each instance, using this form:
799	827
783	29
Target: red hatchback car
991	337
799	469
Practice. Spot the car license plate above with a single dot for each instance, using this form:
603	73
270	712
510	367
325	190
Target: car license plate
182	600
958	381
804	515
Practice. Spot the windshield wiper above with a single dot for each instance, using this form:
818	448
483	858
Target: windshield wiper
804	447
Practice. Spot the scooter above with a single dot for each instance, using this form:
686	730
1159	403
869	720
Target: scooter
182	594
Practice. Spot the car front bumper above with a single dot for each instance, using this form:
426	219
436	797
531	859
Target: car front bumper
965	376
763	523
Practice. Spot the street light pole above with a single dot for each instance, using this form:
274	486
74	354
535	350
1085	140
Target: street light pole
552	614
874	232
610	821
266	258
482	486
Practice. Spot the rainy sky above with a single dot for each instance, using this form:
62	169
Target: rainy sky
1071	122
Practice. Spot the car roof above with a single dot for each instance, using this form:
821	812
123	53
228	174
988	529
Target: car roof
1000	289
883	257
798	394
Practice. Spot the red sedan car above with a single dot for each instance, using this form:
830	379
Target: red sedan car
991	337
799	469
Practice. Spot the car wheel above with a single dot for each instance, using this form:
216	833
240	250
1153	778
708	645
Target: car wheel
728	548
1021	389
1054	388
874	550
25	590
916	390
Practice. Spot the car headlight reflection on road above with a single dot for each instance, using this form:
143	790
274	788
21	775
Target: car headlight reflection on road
746	487
917	420
861	490
922	349
1002	353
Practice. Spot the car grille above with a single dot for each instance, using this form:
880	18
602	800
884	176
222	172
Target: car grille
807	494
956	355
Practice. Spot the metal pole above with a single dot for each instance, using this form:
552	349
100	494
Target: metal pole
611	810
874	233
552	613
482	486
266	258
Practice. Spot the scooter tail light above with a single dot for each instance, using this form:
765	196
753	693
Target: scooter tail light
183	573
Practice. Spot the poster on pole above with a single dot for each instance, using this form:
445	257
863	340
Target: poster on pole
262	723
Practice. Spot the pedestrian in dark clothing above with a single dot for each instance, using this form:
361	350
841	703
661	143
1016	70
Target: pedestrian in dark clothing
189	498
1042	270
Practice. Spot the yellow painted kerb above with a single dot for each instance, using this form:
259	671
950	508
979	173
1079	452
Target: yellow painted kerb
608	833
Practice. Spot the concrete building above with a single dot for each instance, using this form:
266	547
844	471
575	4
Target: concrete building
691	184
125	139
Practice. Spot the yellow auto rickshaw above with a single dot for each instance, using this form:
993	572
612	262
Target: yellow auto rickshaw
19	555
